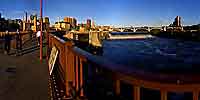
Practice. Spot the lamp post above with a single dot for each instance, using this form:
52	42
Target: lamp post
41	54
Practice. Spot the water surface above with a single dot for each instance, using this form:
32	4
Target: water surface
155	54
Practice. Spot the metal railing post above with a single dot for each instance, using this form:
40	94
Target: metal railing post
41	51
163	94
136	93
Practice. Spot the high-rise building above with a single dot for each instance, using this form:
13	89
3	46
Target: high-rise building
66	19
32	18
26	17
74	22
46	23
177	21
34	23
93	24
46	20
88	23
71	21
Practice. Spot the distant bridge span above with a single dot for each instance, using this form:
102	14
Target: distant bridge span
135	29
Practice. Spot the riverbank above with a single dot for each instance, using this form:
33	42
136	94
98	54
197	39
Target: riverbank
187	36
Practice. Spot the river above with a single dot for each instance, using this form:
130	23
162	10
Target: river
155	54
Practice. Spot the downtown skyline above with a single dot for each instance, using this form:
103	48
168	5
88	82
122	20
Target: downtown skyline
109	12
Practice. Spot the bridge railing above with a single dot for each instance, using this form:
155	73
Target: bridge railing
24	37
71	73
70	64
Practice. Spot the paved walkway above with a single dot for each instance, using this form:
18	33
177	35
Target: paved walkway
23	77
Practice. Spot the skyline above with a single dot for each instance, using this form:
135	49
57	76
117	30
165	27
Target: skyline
112	12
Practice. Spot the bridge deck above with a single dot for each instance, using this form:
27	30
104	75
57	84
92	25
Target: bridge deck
23	77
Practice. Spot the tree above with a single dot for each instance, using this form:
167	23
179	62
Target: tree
13	26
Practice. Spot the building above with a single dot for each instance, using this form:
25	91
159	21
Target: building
46	23
46	20
176	25
62	26
82	25
88	25
32	18
29	24
74	23
71	20
26	26
93	25
26	17
67	19
177	22
34	25
82	29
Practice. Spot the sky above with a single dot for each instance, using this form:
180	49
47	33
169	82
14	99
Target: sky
109	12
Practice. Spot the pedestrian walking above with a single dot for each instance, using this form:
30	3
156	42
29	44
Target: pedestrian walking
38	34
18	42
7	38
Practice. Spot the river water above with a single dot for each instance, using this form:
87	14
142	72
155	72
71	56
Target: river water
155	54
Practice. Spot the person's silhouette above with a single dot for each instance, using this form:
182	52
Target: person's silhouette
38	34
7	42
18	42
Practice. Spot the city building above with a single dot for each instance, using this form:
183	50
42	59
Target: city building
34	23
32	18
46	23
62	26
82	25
88	25
26	26
82	29
74	22
26	17
177	22
93	24
176	25
71	20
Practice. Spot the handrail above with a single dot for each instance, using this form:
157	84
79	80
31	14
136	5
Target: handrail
162	78
137	77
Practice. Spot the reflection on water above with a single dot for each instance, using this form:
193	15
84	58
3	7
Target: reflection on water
155	54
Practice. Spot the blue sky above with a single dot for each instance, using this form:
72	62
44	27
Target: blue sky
109	12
